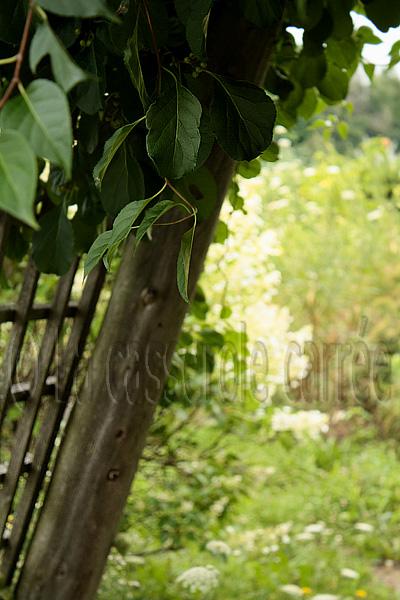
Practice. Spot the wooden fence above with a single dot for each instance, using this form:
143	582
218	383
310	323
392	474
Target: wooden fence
42	399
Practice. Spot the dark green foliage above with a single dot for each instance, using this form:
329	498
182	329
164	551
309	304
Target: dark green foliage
45	42
243	118
118	95
53	244
173	139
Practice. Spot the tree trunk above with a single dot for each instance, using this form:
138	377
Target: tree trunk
107	430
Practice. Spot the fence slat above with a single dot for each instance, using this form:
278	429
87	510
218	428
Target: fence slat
51	421
21	392
27	421
14	346
8	312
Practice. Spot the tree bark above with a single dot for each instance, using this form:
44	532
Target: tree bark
107	430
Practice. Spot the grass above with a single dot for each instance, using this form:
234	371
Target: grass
309	510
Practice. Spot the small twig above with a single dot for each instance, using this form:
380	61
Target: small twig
154	42
20	57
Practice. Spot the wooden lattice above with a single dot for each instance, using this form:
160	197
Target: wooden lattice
43	398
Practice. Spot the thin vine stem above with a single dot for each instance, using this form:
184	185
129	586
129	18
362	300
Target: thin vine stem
185	218
154	42
20	57
177	192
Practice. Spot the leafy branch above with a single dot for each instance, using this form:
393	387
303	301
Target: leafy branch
19	57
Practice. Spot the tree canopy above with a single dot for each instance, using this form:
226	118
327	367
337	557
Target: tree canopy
109	111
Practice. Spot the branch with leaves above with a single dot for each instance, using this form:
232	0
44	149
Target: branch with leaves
119	101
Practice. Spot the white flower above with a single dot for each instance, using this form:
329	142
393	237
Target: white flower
306	536
278	204
315	527
280	130
348	195
284	143
218	547
364	527
199	579
292	590
270	549
309	171
374	215
333	169
303	423
349	573
135	560
219	505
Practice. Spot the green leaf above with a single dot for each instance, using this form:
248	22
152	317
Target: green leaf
243	118
45	42
200	189
108	242
344	53
53	244
308	70
369	69
41	114
234	197
394	54
221	233
110	149
123	181
335	84
248	170
309	103
125	220
18	177
84	233
173	138
383	14
152	215
90	93
193	14
133	64
78	8
207	139
183	264
96	251
343	129
342	21
271	154
367	36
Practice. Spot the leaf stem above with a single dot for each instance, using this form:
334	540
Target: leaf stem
40	12
20	57
185	218
9	60
177	192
